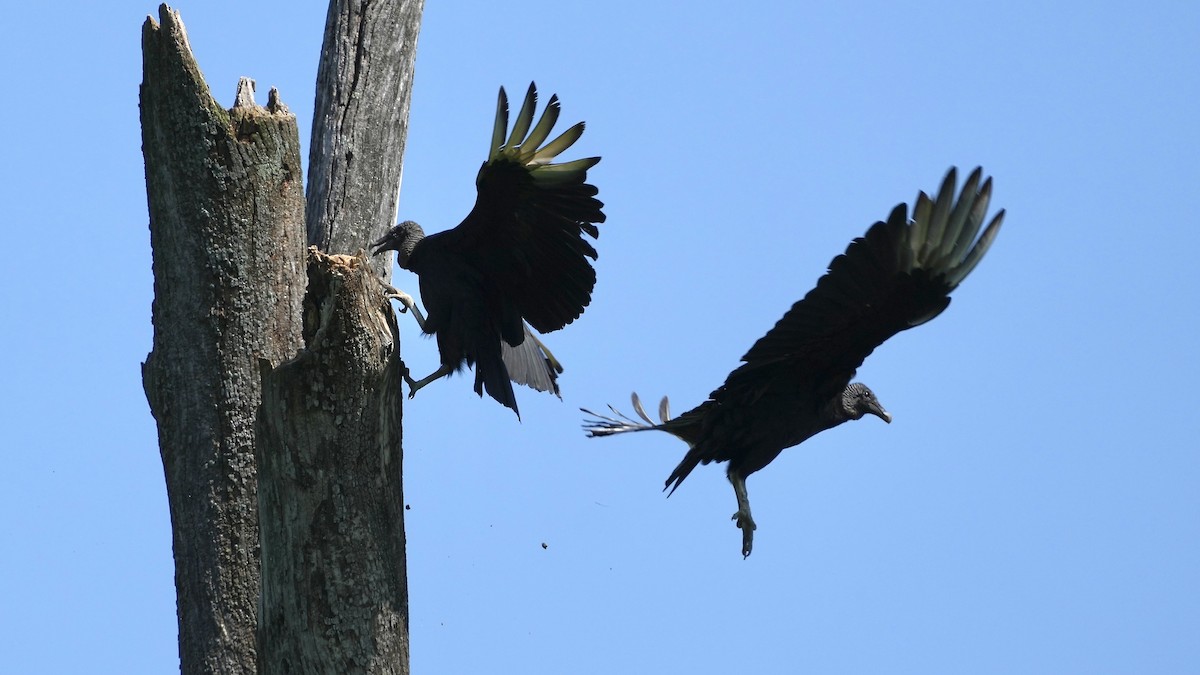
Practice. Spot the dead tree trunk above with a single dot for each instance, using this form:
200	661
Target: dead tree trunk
277	407
334	586
226	212
364	86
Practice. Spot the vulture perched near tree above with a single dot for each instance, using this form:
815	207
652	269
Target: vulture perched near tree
795	381
519	259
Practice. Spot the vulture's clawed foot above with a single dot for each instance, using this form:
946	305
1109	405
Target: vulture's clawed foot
413	386
417	385
393	293
406	302
746	524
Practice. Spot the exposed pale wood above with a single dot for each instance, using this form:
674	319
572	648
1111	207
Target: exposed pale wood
360	122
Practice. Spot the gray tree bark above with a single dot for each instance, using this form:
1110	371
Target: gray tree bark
274	406
360	123
335	590
226	211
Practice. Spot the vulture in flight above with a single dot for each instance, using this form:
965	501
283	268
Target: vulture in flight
795	381
518	260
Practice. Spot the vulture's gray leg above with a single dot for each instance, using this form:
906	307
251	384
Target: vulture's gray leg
415	386
406	301
744	521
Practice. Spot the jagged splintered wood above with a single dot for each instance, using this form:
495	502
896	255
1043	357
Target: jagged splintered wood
274	405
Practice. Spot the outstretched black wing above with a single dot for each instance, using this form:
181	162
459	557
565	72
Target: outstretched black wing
899	275
525	233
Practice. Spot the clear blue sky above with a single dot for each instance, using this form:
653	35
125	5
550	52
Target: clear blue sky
1034	508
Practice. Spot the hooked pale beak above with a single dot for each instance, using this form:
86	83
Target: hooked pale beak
878	411
381	245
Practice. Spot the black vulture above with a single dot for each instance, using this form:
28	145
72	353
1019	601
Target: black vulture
795	381
519	259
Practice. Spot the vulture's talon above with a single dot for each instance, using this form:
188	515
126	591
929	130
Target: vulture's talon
747	526
392	293
406	300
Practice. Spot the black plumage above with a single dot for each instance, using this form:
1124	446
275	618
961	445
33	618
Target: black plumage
795	381
518	260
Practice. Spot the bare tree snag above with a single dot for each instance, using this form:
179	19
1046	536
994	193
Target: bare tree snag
335	591
277	407
360	122
226	226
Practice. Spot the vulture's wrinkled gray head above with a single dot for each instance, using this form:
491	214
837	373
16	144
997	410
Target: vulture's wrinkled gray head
402	239
858	400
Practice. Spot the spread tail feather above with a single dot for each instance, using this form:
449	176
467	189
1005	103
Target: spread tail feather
603	425
690	461
619	422
531	363
491	375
